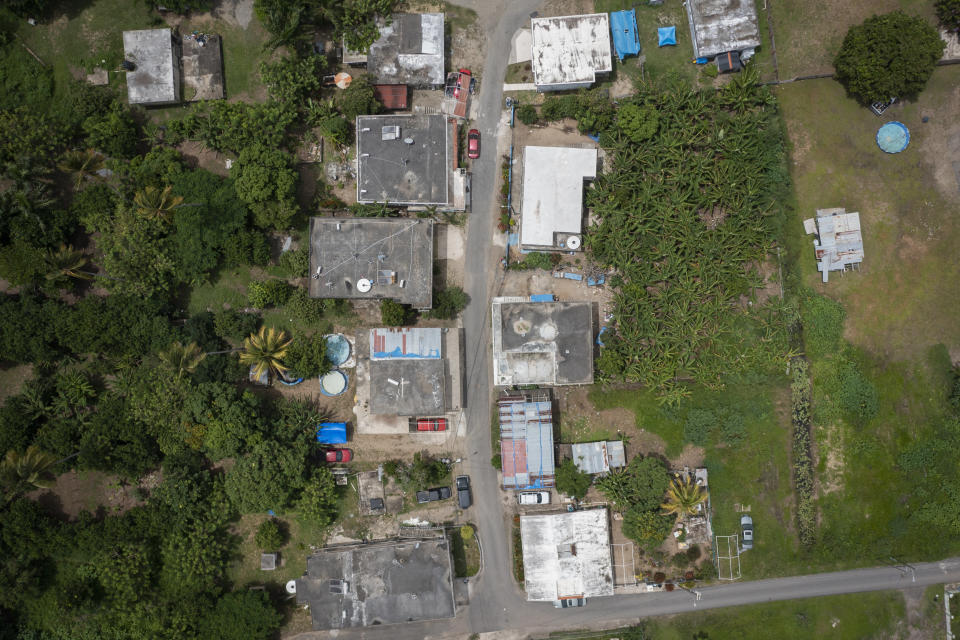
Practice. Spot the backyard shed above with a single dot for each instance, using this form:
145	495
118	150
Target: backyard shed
393	97
838	242
718	26
598	457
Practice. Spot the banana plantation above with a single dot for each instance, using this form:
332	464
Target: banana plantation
687	215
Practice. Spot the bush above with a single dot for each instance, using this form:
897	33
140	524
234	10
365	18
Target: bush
822	324
307	357
571	481
268	293
496	462
114	133
94	207
357	99
638	122
292	80
559	107
266	175
890	55
857	396
246	247
317	505
642	484
448	303
229	323
732	428
296	262
537	260
699	424
948	13
269	535
394	314
466	532
647	528
527	114
306	309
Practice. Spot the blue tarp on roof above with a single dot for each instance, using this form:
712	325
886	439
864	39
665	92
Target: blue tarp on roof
666	35
332	433
624	27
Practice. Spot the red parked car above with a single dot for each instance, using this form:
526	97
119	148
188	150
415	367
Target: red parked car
473	144
430	424
338	455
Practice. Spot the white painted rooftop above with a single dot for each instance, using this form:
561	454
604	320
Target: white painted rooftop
156	79
570	49
566	555
718	26
553	193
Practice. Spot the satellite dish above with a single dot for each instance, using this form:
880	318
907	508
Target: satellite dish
364	285
573	242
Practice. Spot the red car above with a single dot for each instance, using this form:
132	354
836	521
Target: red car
429	424
338	455
473	144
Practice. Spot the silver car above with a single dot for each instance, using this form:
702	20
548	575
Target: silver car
746	531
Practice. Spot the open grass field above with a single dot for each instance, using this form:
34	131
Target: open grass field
809	33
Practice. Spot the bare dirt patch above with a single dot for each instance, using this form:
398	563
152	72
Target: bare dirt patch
77	491
199	155
12	380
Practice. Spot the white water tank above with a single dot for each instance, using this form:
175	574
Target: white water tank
364	285
573	243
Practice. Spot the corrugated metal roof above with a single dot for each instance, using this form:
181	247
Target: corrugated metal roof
598	457
392	96
526	442
416	343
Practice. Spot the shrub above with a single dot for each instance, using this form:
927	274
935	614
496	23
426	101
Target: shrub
570	480
890	55
296	262
948	13
229	323
699	424
559	107
357	99
693	554
496	462
114	133
291	79
94	207
537	260
306	309
307	357
394	314
857	396
802	459
448	303
642	484
318	502
466	532
638	122
268	293
647	528
732	428
269	535
527	114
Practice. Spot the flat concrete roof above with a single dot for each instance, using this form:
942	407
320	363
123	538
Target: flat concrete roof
718	26
394	254
385	583
408	387
156	79
552	202
570	49
409	51
566	555
391	170
549	343
202	68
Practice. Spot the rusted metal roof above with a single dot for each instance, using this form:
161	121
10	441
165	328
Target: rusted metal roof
392	96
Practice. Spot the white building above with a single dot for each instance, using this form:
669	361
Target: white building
566	555
839	243
551	212
570	52
155	55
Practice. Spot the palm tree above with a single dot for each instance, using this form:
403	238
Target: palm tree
156	203
81	165
264	351
683	497
182	358
30	469
66	262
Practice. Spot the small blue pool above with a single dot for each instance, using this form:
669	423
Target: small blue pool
893	137
338	349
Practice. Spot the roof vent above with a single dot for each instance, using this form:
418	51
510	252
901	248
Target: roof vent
390	132
408	140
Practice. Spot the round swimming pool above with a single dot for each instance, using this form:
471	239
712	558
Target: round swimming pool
338	349
333	383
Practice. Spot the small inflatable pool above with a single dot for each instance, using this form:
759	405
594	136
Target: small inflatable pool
338	349
893	137
333	383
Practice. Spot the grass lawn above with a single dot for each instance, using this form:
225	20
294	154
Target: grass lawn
230	287
853	617
809	32
245	568
754	473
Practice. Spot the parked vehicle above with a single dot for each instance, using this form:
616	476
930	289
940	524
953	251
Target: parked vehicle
464	496
746	530
432	495
473	144
338	455
566	603
534	497
431	424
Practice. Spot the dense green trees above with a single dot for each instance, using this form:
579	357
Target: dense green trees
888	56
448	303
642	484
571	481
290	22
394	314
948	13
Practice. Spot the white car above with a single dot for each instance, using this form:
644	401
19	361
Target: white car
534	497
746	530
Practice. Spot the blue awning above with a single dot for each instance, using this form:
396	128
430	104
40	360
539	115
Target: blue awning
625	38
666	35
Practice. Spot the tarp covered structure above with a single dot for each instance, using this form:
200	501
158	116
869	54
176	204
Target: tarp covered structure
332	433
666	36
623	24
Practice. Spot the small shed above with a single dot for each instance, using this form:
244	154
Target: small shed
838	242
728	62
393	97
268	561
599	457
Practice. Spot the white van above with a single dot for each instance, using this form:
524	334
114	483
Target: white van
534	497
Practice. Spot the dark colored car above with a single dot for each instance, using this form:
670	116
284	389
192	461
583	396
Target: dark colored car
338	455
473	144
432	495
464	496
431	424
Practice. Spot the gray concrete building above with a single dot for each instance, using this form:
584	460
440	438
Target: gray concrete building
719	26
155	56
409	159
372	258
409	51
408	372
548	343
378	583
